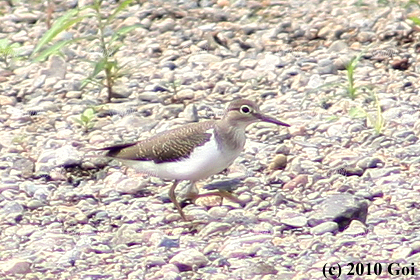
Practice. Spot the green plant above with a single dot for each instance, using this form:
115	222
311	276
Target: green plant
383	2
109	45
8	52
415	20
351	88
175	85
108	63
86	119
412	2
62	23
376	121
360	3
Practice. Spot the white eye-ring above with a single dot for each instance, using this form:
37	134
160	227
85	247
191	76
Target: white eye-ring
245	109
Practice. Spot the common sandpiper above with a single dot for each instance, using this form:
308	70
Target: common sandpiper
193	151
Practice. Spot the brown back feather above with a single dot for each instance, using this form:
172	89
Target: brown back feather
171	145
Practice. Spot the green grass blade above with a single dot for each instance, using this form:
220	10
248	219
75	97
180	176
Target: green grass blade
85	82
53	49
60	24
120	7
124	30
100	66
357	113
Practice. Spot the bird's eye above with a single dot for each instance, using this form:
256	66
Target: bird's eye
245	109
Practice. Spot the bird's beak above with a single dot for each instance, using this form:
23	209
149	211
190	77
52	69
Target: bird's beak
265	118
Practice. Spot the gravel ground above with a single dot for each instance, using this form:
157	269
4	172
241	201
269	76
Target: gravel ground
339	187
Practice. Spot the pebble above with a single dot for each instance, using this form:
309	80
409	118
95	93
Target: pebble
279	162
342	208
214	228
324	228
188	259
292	219
15	266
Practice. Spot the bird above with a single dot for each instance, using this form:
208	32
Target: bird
193	151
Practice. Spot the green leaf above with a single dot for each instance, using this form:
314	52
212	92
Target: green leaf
90	80
15	45
61	24
332	118
78	121
55	29
357	112
85	82
416	20
55	48
89	113
110	64
51	50
124	30
84	119
99	66
120	7
4	43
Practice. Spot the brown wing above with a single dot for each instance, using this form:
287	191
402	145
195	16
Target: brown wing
171	145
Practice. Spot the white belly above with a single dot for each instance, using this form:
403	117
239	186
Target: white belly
203	162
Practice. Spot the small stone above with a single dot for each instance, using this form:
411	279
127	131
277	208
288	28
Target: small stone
149	96
279	162
35	203
81	218
73	94
270	62
166	25
15	266
56	68
324	228
315	81
401	253
121	91
215	228
292	219
337	46
204	58
7	100
101	248
185	94
326	66
401	64
64	156
190	113
188	259
131	186
250	74
24	166
340	208
222	87
152	261
369	162
415	247
299	181
218	212
365	36
342	61
169	242
355	228
39	81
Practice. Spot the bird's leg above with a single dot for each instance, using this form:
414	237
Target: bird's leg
174	201
192	192
222	194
